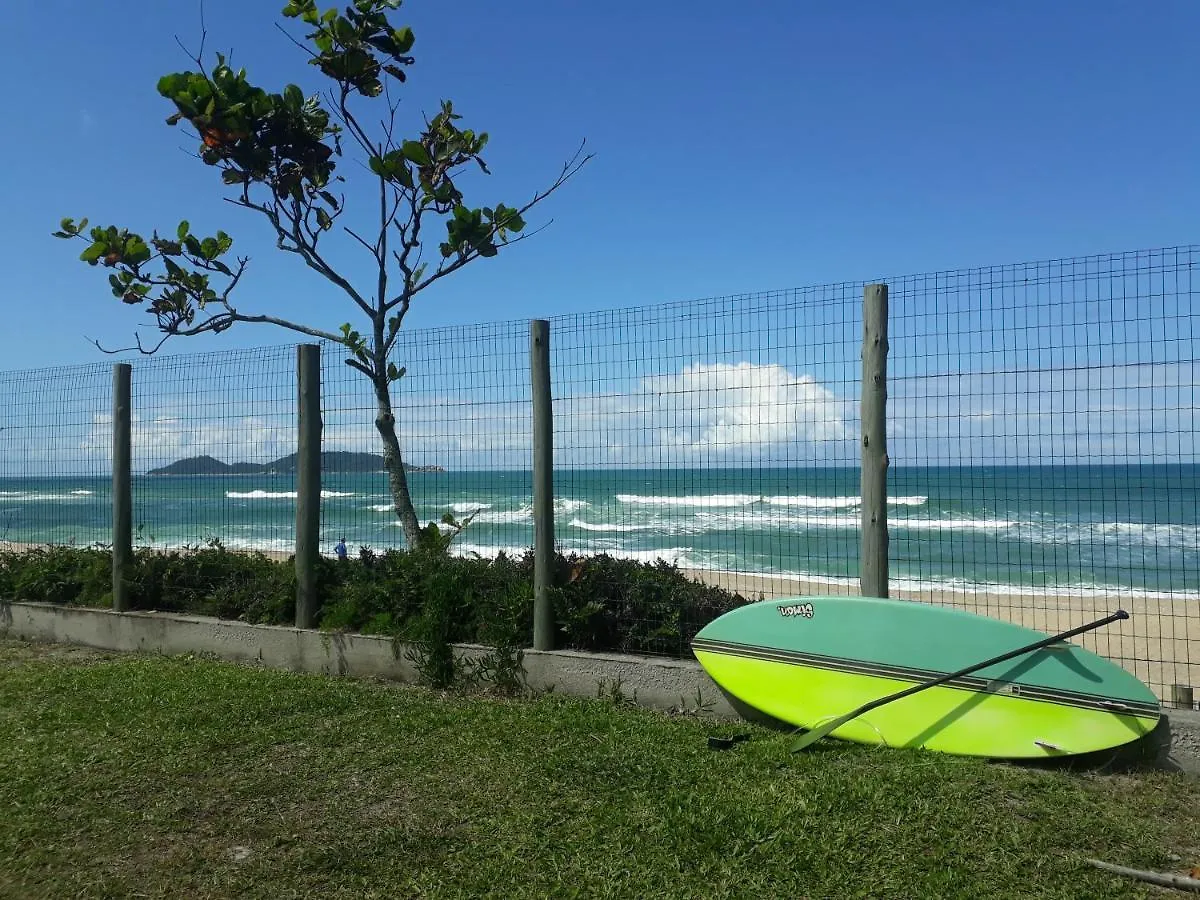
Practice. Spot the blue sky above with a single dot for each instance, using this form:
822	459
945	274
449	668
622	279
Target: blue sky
740	147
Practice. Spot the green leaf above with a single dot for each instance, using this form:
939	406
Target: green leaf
224	242
344	32
416	152
182	230
395	374
403	174
377	166
404	39
514	222
323	219
293	96
136	251
93	253
487	250
118	288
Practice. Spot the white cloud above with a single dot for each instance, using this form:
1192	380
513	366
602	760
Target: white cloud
727	407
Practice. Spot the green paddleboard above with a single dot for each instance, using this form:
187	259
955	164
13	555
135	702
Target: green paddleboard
807	660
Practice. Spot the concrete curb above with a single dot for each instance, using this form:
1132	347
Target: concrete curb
663	684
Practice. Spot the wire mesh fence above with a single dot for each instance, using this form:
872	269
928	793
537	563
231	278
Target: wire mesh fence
1042	438
55	446
463	418
214	444
1042	443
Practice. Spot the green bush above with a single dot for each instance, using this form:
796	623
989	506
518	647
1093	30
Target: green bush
428	598
70	576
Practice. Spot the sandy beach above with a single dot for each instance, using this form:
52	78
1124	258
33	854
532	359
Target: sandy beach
1159	643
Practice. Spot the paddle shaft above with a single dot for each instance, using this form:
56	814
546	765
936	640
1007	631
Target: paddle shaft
818	733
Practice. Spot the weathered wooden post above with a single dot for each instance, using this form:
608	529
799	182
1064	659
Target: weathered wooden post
308	482
543	485
873	577
122	484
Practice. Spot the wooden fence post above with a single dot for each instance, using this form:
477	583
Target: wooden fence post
873	562
122	484
308	482
543	485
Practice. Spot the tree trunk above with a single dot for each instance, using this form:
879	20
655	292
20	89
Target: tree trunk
385	424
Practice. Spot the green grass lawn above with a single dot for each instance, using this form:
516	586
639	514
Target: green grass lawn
154	777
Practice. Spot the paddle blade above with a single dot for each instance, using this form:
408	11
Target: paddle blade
811	737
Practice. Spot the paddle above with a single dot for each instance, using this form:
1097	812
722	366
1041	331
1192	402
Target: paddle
811	737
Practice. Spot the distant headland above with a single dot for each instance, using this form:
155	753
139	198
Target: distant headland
331	461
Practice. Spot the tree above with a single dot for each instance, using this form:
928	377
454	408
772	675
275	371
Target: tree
278	153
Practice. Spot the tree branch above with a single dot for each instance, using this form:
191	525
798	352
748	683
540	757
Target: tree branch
299	247
569	169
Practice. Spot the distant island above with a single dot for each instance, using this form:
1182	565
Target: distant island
331	461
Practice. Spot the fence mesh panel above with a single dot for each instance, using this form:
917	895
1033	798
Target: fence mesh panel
55	456
1041	425
463	420
214	444
716	436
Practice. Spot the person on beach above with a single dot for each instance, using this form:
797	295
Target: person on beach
340	549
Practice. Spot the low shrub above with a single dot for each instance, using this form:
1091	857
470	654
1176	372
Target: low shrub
428	598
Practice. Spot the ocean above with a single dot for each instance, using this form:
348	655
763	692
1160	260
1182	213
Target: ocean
1133	530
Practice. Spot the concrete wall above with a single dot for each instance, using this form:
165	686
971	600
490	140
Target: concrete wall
663	684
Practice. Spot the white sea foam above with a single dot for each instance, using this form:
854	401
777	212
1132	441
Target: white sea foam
782	521
806	502
1164	536
468	507
278	495
524	513
953	524
617	527
698	500
26	497
803	501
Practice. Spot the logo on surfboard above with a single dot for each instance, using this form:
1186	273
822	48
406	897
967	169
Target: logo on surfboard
803	610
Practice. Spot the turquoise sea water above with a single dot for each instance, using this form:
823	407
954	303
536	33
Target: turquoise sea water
1133	529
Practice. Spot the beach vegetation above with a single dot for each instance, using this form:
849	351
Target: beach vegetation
427	598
